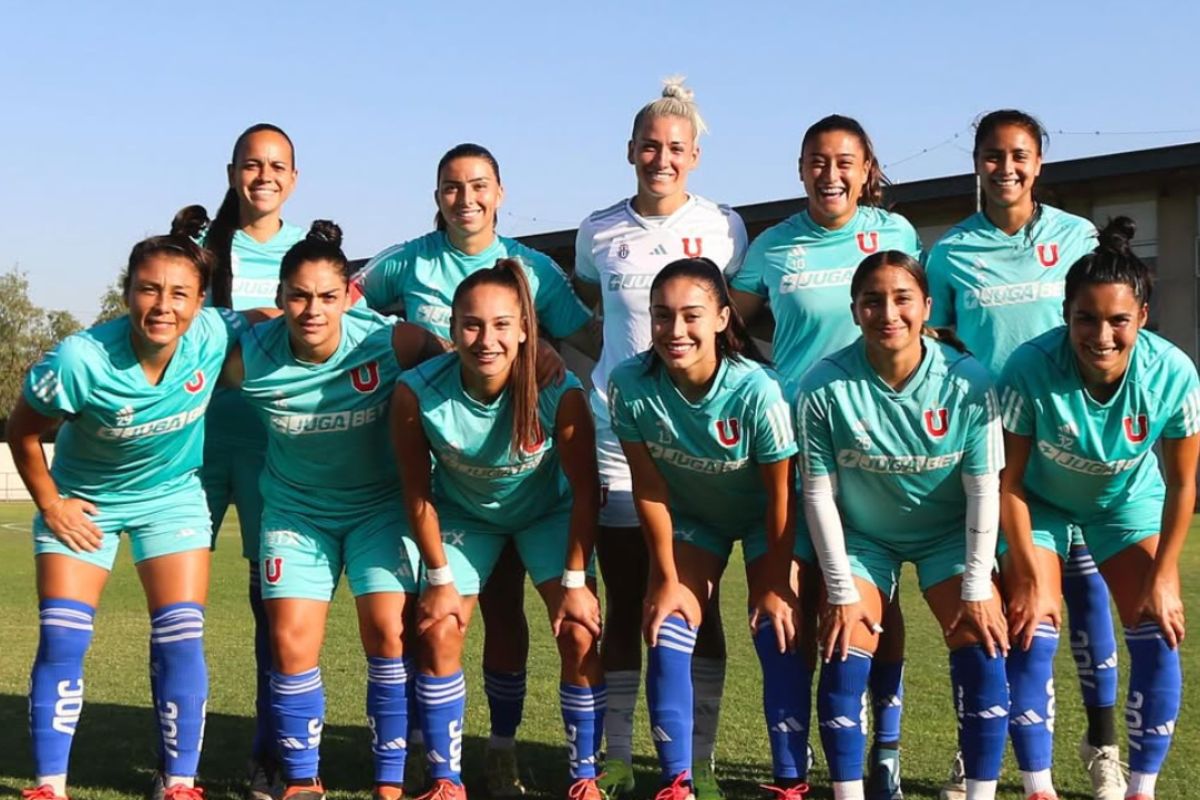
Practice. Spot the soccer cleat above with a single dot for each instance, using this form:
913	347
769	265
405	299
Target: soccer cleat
416	771
1042	794
956	784
585	789
795	792
265	781
158	785
445	789
617	780
883	783
1103	765
312	791
678	789
182	792
43	792
387	792
503	778
704	782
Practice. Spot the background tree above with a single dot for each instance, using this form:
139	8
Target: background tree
112	304
26	332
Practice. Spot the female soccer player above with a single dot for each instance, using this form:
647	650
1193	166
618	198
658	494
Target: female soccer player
1083	406
997	277
709	442
248	239
512	463
130	395
907	428
618	251
419	278
802	266
320	378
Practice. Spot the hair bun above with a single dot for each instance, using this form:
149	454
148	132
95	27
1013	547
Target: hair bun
673	87
190	221
1118	234
324	230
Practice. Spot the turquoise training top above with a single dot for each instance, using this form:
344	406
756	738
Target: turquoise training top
123	437
475	468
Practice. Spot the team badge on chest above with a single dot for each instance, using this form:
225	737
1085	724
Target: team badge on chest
1137	428
196	383
1048	254
937	422
729	431
365	379
693	248
868	241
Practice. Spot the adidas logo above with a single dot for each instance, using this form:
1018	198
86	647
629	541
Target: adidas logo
1028	718
789	725
659	734
839	722
659	251
435	757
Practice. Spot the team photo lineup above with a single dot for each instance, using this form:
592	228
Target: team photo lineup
990	408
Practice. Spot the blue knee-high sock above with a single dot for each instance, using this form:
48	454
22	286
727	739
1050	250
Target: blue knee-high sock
583	721
56	682
443	702
177	656
298	708
264	727
1155	687
506	700
387	716
886	683
981	700
669	696
1031	685
787	704
1089	617
842	714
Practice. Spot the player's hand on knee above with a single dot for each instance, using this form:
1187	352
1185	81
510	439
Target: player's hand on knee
837	628
1027	604
577	605
438	603
1160	602
664	598
70	521
780	605
985	620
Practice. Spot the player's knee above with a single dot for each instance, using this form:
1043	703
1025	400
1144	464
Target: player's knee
963	637
575	642
294	644
443	638
383	638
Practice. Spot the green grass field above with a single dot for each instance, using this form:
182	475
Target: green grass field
114	750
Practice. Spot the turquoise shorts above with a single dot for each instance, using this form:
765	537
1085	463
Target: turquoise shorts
303	557
473	547
937	559
753	539
175	523
230	475
1105	536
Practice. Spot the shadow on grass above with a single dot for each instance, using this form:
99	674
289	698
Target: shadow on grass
115	752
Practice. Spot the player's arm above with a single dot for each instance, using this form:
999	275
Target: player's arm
440	598
67	517
1029	595
776	598
587	339
575	437
1161	599
414	344
233	370
588	292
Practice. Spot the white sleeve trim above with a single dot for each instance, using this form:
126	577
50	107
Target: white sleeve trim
825	527
982	528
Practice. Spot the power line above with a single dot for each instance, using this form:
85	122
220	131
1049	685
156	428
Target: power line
1126	133
926	150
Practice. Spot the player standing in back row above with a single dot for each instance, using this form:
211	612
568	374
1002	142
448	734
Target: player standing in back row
618	251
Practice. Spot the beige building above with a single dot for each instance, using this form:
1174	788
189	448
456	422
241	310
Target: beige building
1159	189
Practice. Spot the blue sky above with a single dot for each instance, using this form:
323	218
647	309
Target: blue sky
116	115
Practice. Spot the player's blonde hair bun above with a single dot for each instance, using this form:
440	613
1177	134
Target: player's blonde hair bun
677	100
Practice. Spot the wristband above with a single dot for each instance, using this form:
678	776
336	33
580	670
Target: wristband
574	578
439	576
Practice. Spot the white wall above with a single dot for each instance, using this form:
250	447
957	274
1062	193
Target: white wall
11	487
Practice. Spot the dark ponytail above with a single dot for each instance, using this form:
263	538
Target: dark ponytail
1113	261
187	225
522	381
734	342
225	224
323	243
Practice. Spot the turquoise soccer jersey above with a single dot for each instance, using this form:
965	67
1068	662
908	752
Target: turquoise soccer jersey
1088	458
804	271
899	456
329	452
475	470
255	266
421	275
708	452
122	435
999	290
